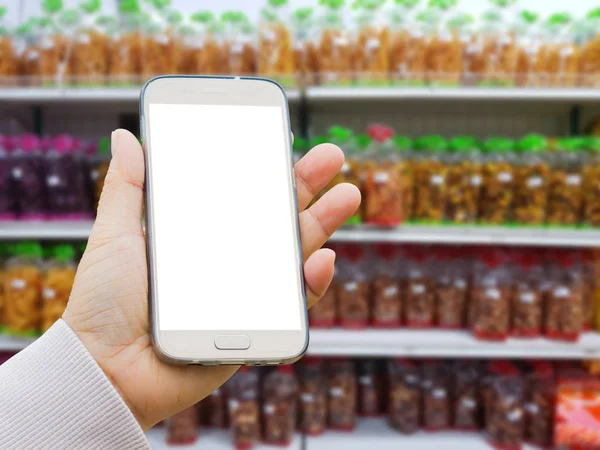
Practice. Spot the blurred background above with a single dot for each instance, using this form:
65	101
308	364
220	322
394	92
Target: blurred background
464	312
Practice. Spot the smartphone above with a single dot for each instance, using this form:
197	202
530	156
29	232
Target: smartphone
226	284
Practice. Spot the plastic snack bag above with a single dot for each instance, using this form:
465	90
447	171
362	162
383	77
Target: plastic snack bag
182	428
371	45
216	405
126	55
530	199
451	287
9	57
562	56
275	50
437	407
341	392
405	397
244	410
531	50
463	180
28	177
528	296
466	411
313	397
370	388
407	54
419	293
161	48
590	64
306	56
406	165
280	391
57	283
7	194
23	280
431	188
539	404
239	46
335	47
505	424
353	288
201	47
387	290
591	183
498	181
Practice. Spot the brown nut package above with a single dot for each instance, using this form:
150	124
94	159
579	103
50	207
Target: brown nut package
341	394
182	428
404	397
451	288
336	52
505	424
437	406
276	58
370	388
371	46
419	291
387	307
539	404
527	295
466	413
313	397
353	288
244	412
280	391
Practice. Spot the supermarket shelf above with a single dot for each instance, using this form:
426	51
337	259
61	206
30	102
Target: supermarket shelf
440	93
542	237
372	433
13	344
209	440
45	230
445	343
100	94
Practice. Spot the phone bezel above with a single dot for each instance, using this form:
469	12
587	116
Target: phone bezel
195	346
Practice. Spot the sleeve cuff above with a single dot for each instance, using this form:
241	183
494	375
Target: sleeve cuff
53	394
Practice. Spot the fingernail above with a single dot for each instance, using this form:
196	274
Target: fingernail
114	142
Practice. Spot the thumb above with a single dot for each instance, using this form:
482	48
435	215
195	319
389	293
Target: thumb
121	203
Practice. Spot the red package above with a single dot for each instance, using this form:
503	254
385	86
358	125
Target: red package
370	388
527	295
353	289
451	285
182	428
387	294
324	313
313	397
404	395
466	376
213	409
436	396
279	406
420	297
586	259
341	394
539	404
243	408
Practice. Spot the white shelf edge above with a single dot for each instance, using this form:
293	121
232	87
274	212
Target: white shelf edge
77	230
446	344
14	344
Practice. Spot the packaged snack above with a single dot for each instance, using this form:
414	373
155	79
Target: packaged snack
98	164
505	424
239	47
313	397
306	56
370	388
407	54
372	44
565	196
530	199
562	56
341	394
498	181
324	313
52	43
437	406
528	297
275	51
564	306
387	292
201	47
335	46
586	259
463	180
28	177
216	405
419	292
491	293
57	283
539	404
451	284
127	46
161	46
590	64
406	164
383	186
7	194
244	412
353	288
530	59
280	391
404	398
444	57
182	428
431	170
23	279
486	385
9	62
466	411
591	183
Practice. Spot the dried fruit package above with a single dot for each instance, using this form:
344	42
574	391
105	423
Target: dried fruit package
539	404
182	428
491	295
201	48
370	388
341	394
216	407
531	51
466	411
325	313
451	287
404	398
565	196
353	287
161	43
419	291
408	45
57	283
280	391
23	280
239	46
53	42
127	46
590	62
371	45
527	295
437	403
562	56
431	170
306	56
313	397
244	412
9	58
336	53
463	180
406	162
383	186
505	424
387	307
564	305
28	177
7	194
591	184
275	50
586	259
498	181
532	172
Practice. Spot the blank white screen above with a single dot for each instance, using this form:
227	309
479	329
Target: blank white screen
223	229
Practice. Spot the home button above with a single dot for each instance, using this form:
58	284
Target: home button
232	342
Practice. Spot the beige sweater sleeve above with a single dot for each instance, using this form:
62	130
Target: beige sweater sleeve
53	395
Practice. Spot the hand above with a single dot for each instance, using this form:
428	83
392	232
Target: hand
108	307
